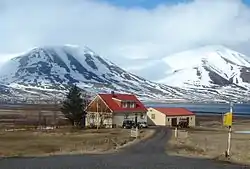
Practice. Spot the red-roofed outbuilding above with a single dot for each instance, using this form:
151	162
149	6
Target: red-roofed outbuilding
112	109
170	116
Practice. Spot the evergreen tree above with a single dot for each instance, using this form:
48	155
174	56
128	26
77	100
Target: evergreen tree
74	106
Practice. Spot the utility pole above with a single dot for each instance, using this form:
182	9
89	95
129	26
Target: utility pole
227	154
97	114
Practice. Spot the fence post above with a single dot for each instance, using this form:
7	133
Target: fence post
39	118
55	119
175	132
136	130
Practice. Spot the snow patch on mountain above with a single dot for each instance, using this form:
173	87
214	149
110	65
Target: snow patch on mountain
207	66
213	54
57	67
205	74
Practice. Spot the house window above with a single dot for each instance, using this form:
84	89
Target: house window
124	104
168	119
126	116
128	104
132	105
152	116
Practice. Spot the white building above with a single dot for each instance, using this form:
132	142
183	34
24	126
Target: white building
111	110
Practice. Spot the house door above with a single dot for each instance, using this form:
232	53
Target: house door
174	122
136	118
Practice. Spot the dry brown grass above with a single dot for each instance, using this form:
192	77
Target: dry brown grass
209	140
13	118
63	141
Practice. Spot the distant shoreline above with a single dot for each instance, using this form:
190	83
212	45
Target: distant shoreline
206	108
199	113
190	106
193	103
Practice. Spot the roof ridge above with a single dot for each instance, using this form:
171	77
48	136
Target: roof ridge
108	99
170	108
172	111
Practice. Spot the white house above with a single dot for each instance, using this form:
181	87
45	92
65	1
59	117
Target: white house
112	109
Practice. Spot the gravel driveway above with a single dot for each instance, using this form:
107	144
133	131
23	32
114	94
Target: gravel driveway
148	154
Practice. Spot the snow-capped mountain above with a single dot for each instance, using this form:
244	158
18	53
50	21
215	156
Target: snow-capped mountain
52	68
205	74
209	66
212	70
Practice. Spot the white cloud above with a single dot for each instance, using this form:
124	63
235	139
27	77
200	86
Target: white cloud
6	57
121	34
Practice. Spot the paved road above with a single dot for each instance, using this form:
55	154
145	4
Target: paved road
148	154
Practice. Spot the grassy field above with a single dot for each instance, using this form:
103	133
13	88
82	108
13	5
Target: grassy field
32	142
64	141
209	140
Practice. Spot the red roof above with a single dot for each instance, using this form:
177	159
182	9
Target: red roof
175	111
113	105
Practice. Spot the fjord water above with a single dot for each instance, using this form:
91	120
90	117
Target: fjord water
205	108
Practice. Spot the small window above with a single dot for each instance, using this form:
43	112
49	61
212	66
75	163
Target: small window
168	119
132	105
126	116
124	104
152	116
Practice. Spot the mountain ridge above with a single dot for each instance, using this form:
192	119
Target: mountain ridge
209	66
58	67
44	72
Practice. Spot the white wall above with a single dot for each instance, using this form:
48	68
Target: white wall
163	120
159	120
96	120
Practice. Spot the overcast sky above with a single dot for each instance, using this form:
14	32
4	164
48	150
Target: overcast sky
121	33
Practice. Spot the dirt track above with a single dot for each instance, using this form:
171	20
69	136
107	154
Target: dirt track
148	154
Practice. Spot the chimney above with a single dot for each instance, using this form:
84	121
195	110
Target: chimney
113	93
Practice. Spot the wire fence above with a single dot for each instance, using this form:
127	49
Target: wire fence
34	112
32	116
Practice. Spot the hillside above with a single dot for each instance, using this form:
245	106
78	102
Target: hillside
210	66
55	68
209	74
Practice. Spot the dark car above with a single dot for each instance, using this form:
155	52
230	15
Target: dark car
128	124
143	124
183	124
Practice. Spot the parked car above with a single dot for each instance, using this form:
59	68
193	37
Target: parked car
183	124
128	124
142	124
